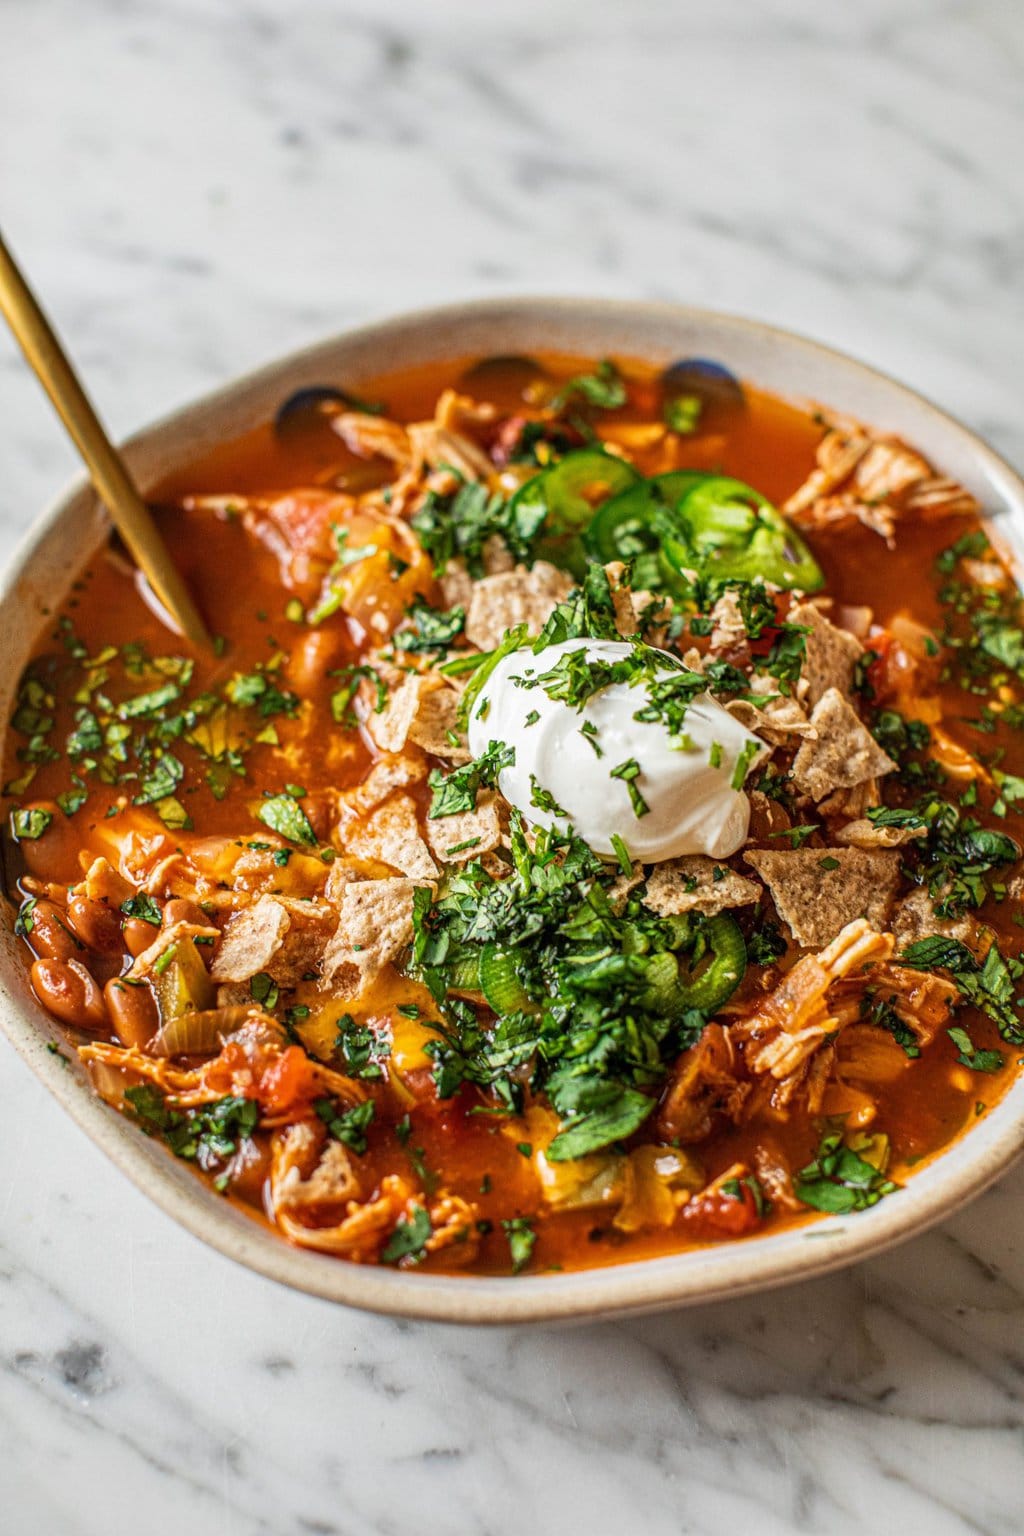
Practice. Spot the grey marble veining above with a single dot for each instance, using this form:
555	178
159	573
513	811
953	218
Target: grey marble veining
196	187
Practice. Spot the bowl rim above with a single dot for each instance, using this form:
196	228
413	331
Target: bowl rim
949	1179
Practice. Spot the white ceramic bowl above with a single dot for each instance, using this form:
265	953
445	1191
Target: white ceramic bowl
66	535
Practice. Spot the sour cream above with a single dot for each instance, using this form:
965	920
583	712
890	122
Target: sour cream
686	785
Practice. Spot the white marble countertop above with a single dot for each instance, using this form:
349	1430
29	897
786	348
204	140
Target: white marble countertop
197	186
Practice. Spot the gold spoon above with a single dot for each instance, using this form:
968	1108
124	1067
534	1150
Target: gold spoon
109	474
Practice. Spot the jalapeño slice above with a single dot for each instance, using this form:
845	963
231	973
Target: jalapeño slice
705	979
569	492
641	524
734	532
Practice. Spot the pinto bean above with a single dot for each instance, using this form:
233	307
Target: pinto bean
66	989
137	935
133	1012
54	854
96	923
180	910
313	657
50	937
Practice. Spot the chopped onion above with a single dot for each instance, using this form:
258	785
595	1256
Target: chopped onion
199	1033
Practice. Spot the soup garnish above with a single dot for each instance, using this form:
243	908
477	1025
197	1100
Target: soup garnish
597	834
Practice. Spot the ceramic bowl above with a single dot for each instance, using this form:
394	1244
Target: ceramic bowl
65	536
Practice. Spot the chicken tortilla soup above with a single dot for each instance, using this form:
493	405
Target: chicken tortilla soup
597	832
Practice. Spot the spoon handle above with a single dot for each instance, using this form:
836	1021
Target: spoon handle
48	361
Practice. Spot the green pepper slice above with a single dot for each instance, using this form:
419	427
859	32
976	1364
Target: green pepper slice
641	524
710	981
734	532
569	491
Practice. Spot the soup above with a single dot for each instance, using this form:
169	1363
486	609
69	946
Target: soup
593	836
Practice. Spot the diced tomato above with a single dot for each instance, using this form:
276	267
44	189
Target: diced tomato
880	675
725	1209
306	519
286	1082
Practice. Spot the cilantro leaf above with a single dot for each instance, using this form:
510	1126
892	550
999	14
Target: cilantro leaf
409	1238
144	908
30	822
839	1180
521	1241
347	1126
285	816
457	791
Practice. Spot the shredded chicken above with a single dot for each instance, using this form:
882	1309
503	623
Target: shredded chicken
783	1035
875	479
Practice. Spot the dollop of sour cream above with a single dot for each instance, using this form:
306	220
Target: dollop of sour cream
686	784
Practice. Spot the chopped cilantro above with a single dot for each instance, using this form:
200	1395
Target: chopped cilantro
839	1180
968	1054
629	772
30	822
144	908
521	1241
409	1238
285	816
457	791
348	1125
208	1135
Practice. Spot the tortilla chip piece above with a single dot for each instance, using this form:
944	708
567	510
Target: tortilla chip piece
390	728
374	926
394	771
277	934
730	631
778	719
436	724
829	656
863	833
168	939
391	835
515	597
312	923
817	900
467	834
456	585
844	752
915	918
697	884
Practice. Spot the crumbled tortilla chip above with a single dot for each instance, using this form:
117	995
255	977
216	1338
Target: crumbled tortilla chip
103	883
456	585
694	883
391	772
436	724
467	834
619	891
843	753
277	934
777	719
817	893
390	729
852	803
915	918
729	630
391	835
829	656
251	940
863	833
374	926
168	939
515	597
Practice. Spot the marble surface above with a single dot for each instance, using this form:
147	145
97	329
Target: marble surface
197	186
